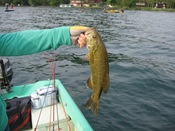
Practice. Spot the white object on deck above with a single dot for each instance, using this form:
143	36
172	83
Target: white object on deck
44	121
44	96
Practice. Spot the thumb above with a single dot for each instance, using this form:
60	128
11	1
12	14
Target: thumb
77	30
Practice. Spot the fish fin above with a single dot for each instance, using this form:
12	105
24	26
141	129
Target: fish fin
95	49
89	82
93	105
106	84
86	57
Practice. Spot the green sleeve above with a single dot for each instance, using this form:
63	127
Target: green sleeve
33	41
4	118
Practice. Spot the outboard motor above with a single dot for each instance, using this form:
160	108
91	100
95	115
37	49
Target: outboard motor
6	74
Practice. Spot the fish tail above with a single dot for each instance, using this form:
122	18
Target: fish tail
93	105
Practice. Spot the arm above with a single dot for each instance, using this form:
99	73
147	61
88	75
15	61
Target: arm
4	118
33	41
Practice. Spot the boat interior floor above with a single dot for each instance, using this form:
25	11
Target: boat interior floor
52	117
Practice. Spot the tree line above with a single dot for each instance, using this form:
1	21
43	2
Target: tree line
35	2
132	3
120	3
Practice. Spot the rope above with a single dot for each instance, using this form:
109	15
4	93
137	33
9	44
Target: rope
52	67
41	108
52	70
52	110
52	102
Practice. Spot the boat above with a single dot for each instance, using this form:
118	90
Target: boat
8	10
65	5
67	116
113	11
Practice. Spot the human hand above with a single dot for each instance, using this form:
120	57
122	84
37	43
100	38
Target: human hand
77	35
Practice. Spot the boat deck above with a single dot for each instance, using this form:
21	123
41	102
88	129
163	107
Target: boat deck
61	121
65	110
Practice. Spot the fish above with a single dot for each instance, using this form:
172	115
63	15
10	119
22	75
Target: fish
98	61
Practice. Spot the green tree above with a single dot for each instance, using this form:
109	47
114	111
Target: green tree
55	2
150	3
119	2
113	2
128	3
35	2
170	3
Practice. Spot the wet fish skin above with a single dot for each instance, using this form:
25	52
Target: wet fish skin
98	60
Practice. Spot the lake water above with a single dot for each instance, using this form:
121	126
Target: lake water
141	51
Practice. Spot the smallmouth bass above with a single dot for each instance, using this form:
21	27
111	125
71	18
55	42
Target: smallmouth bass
98	60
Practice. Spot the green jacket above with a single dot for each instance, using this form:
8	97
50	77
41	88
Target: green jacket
29	42
33	41
3	118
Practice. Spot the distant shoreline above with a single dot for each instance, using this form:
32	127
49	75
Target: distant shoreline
144	8
116	7
152	9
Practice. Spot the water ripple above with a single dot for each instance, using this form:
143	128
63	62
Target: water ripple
140	47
